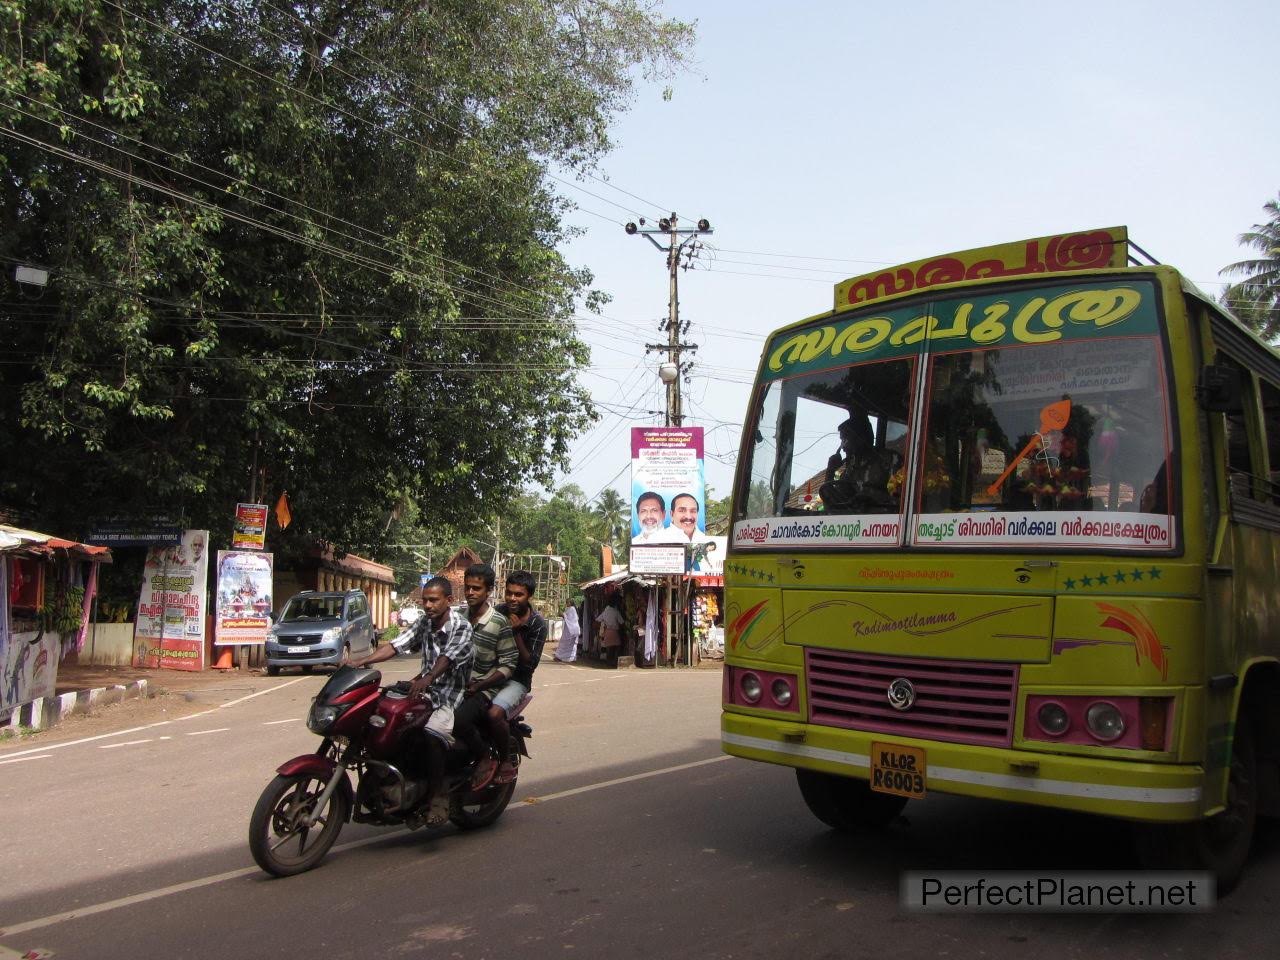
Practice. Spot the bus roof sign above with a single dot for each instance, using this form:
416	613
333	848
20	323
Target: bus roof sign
1090	250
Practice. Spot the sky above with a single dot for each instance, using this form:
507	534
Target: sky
846	136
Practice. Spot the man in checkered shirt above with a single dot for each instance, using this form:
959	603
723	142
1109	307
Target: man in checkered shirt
444	637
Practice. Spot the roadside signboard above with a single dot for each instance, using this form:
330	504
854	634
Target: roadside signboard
668	497
135	532
250	532
169	630
659	559
243	608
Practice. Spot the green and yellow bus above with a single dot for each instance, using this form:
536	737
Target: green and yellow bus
1005	526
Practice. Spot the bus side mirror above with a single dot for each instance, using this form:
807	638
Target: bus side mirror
1220	389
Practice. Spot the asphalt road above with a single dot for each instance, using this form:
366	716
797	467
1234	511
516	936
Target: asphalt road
630	836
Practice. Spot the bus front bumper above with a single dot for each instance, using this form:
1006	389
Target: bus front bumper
1135	791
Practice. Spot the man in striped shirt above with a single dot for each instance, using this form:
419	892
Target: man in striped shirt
495	661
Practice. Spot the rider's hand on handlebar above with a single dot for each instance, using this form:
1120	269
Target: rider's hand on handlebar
419	686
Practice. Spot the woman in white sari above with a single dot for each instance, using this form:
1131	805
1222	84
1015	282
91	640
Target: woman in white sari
567	648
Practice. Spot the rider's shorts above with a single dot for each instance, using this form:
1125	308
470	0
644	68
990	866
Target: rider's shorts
510	695
441	723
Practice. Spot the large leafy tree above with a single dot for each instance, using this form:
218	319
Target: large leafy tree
1255	297
302	246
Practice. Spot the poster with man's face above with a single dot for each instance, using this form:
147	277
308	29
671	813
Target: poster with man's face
668	489
169	629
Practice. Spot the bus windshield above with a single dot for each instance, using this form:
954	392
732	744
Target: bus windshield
1059	436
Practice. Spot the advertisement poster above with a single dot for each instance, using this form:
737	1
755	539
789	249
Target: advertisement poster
169	632
658	558
668	488
28	661
706	559
243	613
250	531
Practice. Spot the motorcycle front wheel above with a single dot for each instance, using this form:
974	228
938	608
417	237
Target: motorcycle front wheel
473	810
279	839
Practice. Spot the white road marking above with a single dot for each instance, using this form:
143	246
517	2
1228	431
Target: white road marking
289	683
148	726
192	716
272	723
533	801
39	756
201	733
575	683
127	743
56	918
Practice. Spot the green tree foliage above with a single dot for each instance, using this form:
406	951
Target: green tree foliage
1255	297
312	242
563	522
613	516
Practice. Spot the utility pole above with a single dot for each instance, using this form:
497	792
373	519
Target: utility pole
676	250
671	372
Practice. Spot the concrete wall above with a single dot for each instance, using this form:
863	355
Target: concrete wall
108	645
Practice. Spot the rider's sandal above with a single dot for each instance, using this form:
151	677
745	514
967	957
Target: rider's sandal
439	814
507	772
483	774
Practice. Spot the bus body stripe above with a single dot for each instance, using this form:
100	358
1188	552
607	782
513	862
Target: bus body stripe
1023	784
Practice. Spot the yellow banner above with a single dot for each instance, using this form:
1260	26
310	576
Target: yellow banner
1091	250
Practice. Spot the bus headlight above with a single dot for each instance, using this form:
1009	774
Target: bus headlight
781	691
1053	719
751	687
1104	720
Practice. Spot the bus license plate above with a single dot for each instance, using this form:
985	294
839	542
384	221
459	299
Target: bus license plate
897	769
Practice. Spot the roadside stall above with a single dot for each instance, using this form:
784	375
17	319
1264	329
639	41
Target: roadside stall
706	616
47	587
637	637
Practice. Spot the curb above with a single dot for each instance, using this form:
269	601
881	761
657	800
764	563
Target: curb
47	711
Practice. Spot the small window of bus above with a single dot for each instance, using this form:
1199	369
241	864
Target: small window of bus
831	442
1271	424
1242	469
1044	434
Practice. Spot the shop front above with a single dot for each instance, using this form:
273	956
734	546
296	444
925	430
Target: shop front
47	587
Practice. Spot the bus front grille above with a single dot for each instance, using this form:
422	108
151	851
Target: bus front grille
961	701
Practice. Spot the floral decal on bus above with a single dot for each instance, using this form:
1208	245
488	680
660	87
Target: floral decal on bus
1131	622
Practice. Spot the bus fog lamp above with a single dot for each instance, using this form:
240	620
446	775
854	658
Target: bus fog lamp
751	687
781	691
1053	719
1105	721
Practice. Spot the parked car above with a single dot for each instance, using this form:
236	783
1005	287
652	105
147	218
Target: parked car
317	629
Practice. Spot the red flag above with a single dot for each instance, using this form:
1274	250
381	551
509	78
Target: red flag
283	516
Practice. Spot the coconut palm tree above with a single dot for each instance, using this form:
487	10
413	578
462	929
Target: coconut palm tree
1255	298
612	513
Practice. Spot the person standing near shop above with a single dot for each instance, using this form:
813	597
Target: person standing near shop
610	621
567	649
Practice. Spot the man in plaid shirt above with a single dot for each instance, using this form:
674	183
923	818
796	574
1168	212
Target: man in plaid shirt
444	637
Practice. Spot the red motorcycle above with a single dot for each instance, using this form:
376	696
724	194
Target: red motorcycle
375	732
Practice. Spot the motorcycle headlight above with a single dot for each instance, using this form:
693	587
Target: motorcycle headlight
320	719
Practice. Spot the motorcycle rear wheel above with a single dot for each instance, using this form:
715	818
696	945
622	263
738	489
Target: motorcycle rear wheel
276	826
473	810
